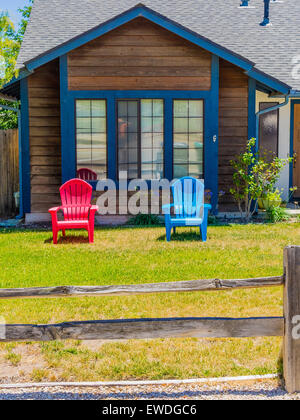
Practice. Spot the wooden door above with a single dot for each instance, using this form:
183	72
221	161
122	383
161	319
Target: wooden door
296	172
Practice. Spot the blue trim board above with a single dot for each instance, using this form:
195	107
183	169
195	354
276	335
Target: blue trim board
168	152
211	133
252	110
138	94
164	22
67	110
293	102
25	149
269	81
112	160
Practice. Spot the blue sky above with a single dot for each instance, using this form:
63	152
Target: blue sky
12	7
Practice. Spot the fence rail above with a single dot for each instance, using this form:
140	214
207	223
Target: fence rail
178	327
148	329
9	171
126	290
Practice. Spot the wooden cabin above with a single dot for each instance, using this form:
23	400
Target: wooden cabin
139	90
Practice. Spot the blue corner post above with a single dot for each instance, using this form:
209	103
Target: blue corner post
211	146
25	149
252	111
168	155
112	160
67	111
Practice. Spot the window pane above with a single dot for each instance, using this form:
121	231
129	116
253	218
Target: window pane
98	109
196	171
132	125
84	140
146	107
180	171
195	108
133	156
181	108
158	108
123	156
133	172
181	125
181	140
146	171
99	140
84	157
91	136
188	138
158	155
158	125
158	140
147	156
195	125
132	140
146	124
122	108
98	156
268	130
83	125
98	125
100	171
180	155
195	156
123	139
83	108
196	140
146	140
132	109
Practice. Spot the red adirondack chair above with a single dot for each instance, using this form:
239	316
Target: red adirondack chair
87	174
76	196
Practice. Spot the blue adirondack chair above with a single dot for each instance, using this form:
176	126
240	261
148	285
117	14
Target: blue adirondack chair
189	207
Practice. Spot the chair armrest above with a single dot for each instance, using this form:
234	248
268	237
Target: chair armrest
93	209
54	210
207	206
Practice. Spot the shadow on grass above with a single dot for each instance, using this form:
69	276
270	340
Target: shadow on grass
69	240
192	235
183	237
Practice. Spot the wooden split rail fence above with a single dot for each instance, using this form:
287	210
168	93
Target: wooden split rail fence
285	326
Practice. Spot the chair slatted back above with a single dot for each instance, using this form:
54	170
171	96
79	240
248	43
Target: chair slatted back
87	174
76	196
188	196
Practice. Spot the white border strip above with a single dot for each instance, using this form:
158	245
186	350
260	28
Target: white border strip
137	383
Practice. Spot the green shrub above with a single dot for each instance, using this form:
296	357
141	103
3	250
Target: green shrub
255	176
145	220
277	214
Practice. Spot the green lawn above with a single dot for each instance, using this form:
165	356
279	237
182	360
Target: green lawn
141	255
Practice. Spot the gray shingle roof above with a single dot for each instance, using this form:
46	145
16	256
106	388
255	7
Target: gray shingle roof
273	49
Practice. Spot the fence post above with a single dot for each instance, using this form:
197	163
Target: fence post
291	342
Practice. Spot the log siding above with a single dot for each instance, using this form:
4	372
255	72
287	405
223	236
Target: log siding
44	134
233	125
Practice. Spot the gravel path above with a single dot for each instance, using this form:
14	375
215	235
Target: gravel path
266	390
